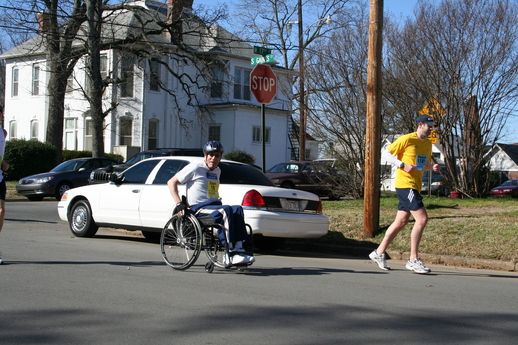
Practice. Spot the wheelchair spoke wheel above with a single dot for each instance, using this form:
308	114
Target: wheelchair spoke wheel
181	241
213	247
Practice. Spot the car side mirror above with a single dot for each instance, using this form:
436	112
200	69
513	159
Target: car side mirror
81	169
115	178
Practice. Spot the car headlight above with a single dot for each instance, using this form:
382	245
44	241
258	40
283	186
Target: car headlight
276	180
43	179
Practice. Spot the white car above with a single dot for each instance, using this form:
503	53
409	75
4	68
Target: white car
139	199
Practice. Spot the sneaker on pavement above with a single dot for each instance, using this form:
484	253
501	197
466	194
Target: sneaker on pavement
242	259
379	259
417	266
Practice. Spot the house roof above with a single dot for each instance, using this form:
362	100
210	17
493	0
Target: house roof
510	150
126	25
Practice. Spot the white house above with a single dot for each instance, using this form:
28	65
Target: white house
147	116
504	158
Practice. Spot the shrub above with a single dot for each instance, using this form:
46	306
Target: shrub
28	157
240	156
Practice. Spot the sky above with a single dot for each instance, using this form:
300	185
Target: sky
401	9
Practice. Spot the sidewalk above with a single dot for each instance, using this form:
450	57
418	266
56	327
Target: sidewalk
446	260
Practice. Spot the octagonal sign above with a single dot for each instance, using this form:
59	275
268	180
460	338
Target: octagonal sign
263	83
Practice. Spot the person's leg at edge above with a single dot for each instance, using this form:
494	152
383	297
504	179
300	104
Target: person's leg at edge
421	219
2	209
392	231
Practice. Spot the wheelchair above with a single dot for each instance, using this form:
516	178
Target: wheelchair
183	238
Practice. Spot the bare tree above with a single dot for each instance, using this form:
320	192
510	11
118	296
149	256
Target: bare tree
464	55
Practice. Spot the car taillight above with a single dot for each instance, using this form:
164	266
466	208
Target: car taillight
319	207
253	198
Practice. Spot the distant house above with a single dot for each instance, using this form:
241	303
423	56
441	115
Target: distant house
152	111
504	158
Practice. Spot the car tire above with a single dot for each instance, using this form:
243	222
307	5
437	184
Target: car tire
288	185
152	236
81	221
61	189
35	198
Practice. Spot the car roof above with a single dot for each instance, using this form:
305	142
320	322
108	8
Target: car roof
192	159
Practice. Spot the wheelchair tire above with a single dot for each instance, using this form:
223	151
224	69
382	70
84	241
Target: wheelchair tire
181	241
213	247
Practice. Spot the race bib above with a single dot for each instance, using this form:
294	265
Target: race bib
212	190
421	162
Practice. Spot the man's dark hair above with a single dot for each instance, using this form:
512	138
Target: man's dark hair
1	108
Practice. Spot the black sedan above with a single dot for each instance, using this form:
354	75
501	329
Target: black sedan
70	174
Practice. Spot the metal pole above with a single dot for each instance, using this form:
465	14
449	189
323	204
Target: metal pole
263	136
373	136
302	101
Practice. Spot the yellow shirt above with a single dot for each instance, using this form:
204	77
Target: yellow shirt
410	149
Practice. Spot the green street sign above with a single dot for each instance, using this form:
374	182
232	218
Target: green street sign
262	50
256	60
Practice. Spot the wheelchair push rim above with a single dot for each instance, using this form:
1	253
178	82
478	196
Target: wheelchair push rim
181	241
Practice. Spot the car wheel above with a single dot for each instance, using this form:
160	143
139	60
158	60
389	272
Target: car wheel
61	189
35	198
152	236
81	222
269	244
288	185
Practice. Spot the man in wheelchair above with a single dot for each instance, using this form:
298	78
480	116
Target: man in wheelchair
202	183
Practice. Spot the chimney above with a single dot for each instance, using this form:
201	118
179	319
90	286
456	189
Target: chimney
43	22
175	9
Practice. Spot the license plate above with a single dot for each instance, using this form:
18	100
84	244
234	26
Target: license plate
290	205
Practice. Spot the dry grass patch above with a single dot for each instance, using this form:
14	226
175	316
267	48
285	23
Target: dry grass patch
478	228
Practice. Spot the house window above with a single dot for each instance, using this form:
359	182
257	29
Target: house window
256	134
70	83
35	79
242	83
104	66
70	134
125	130
34	129
215	133
126	85
154	75
13	130
216	87
152	135
104	74
14	91
89	131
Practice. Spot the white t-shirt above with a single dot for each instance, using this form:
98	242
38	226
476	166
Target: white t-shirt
202	183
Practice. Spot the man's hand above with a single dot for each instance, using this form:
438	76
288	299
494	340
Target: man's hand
180	209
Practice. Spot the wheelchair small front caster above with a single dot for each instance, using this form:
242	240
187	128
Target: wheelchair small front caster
209	267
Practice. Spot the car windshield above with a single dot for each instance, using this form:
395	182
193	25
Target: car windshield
68	166
510	183
144	155
243	174
285	168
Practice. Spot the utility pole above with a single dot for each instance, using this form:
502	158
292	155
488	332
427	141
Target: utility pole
373	136
302	91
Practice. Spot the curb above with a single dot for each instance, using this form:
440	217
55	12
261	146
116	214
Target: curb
446	260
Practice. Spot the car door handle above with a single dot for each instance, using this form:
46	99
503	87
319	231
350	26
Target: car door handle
135	191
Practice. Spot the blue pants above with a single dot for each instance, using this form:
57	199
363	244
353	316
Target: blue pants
230	217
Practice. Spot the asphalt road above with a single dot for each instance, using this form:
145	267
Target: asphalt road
115	289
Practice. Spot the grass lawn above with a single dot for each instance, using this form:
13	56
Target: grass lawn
478	228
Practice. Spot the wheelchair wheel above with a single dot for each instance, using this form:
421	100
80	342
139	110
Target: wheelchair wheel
181	241
213	248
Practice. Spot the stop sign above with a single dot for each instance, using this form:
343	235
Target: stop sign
263	83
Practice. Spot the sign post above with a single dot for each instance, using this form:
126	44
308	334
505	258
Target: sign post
263	85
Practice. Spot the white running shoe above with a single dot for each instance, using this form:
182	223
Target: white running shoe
242	259
417	266
379	259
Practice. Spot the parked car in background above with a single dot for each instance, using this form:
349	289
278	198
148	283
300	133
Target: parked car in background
507	189
318	178
436	185
101	175
139	199
69	174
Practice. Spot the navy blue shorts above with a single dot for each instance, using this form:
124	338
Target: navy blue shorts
409	199
3	189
